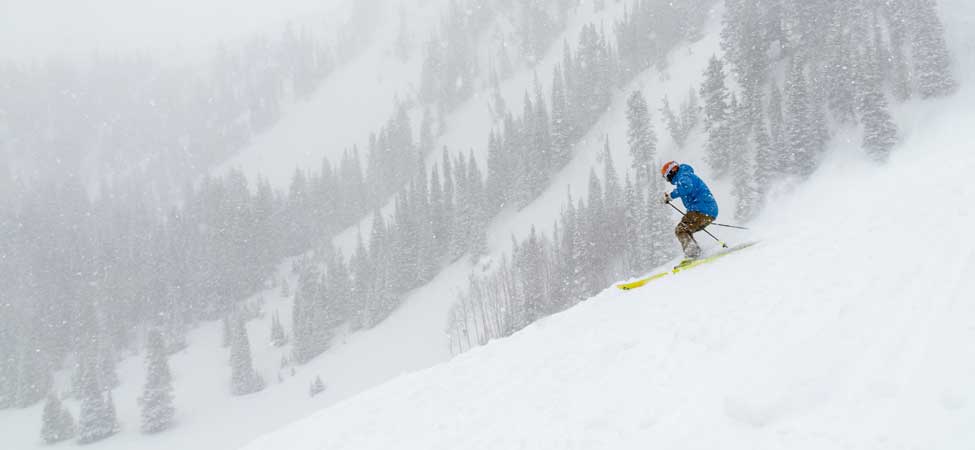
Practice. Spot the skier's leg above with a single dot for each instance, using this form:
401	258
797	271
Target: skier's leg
685	235
690	224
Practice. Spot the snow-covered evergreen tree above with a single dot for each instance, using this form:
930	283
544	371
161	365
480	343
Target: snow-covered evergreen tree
716	116
715	94
157	395
680	123
741	166
659	225
57	423
932	62
243	378
614	231
317	386
278	338
97	418
765	168
805	140
635	247
879	130
778	140
561	121
671	121
641	137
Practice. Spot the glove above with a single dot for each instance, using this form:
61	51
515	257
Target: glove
666	197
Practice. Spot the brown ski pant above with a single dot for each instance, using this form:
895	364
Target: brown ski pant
690	224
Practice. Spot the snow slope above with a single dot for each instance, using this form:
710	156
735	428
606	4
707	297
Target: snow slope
358	98
350	104
845	328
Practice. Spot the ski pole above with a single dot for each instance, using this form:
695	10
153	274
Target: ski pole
704	229
712	223
729	226
719	224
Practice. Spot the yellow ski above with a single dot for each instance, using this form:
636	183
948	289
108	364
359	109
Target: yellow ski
684	265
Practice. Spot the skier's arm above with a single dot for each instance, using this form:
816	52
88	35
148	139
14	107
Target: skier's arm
683	187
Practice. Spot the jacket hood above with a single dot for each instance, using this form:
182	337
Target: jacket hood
681	169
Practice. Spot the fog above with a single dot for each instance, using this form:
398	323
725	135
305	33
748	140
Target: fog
274	180
40	29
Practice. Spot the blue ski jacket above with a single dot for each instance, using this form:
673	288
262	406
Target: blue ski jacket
693	192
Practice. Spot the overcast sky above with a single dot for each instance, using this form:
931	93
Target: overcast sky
39	29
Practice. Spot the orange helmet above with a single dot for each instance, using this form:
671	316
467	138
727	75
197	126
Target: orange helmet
667	168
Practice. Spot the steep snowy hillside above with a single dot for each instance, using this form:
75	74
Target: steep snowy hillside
354	102
844	328
413	338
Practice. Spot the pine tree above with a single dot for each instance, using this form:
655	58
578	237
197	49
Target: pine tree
567	282
339	289
244	380
308	329
680	126
764	162
361	285
542	136
743	175
803	126
33	378
112	415
660	227
879	130
841	80
96	421
157	395
932	62
777	132
716	116
634	220
715	95
317	386
672	122
530	263
449	200
278	339
902	83
613	236
561	126
57	423
689	113
641	137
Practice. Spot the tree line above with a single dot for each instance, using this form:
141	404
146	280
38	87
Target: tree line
118	118
842	61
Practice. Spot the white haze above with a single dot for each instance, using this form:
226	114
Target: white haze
43	29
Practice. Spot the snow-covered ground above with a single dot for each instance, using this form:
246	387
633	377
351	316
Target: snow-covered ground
845	328
350	104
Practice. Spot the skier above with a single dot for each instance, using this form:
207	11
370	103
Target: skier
702	209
